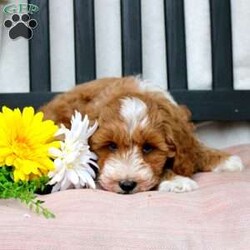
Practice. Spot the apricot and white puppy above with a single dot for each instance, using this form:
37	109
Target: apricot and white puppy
144	141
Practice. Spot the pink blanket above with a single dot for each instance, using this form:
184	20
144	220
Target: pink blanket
216	216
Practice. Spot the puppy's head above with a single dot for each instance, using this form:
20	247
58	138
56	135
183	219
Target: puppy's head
133	143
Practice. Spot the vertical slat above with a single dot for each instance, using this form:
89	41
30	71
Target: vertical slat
39	49
222	65
84	40
131	37
154	66
108	38
176	47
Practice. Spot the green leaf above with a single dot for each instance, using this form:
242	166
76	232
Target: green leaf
25	191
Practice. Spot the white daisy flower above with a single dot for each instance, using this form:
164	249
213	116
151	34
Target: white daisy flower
73	158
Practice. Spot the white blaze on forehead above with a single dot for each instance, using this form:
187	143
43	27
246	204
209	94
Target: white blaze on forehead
134	112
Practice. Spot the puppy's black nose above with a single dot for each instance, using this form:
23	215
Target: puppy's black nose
127	186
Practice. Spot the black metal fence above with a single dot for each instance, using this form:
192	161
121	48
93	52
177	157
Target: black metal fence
222	103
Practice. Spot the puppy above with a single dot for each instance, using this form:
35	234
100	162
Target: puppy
144	141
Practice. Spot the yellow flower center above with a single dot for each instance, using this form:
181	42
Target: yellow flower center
21	147
70	166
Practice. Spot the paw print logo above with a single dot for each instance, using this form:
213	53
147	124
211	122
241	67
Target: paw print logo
20	26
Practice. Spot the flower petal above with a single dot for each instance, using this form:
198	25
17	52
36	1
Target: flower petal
85	178
57	177
73	177
55	152
65	184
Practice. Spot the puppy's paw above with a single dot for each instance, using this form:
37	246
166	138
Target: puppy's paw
232	164
178	184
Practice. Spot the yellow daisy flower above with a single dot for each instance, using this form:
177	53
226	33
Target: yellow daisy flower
25	140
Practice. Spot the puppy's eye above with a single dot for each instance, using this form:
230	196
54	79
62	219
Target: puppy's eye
147	148
112	146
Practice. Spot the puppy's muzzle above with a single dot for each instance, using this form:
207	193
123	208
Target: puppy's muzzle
127	186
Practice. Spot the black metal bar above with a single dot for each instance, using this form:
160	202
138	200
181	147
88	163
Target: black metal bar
84	40
205	105
176	47
222	65
131	37
20	100
39	49
220	105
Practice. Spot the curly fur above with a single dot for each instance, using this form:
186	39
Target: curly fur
168	131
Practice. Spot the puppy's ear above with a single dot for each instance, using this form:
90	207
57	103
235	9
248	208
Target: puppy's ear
188	154
171	146
183	146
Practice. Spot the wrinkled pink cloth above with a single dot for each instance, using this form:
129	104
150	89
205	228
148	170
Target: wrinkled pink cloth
216	216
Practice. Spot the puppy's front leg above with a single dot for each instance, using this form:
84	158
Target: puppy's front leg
176	183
